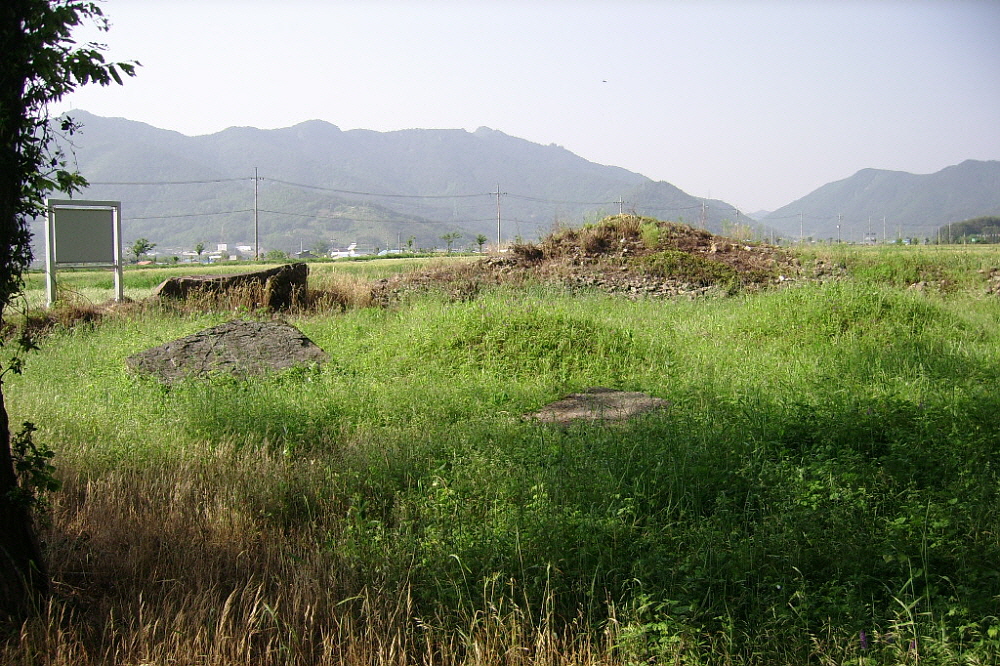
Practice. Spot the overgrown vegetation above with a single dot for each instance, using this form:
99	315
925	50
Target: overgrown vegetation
666	250
823	489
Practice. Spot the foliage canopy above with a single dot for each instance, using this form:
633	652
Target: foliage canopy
41	64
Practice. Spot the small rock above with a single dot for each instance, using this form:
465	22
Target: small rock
599	404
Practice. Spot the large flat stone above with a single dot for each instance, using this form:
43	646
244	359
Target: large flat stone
279	287
240	348
599	404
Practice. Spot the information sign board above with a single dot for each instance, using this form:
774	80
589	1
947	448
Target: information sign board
82	232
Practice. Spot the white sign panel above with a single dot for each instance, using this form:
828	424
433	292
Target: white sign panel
83	232
84	235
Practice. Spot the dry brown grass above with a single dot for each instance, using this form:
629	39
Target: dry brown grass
331	292
338	291
191	562
33	323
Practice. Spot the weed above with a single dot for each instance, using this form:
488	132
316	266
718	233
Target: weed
824	488
690	268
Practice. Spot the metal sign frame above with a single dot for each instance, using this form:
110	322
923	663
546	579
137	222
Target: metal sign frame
83	233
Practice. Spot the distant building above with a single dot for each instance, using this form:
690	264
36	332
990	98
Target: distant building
349	252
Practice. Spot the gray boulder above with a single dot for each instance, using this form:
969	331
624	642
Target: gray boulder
279	287
240	348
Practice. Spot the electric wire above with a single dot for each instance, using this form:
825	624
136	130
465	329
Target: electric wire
170	217
168	182
380	194
522	197
496	195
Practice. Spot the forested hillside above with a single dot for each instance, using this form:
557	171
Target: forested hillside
319	185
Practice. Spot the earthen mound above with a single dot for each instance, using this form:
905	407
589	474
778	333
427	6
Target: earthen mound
627	255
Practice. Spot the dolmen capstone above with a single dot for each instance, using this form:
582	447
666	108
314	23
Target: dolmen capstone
239	348
598	404
280	287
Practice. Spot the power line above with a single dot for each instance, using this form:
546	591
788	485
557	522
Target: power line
345	218
168	182
522	197
668	208
170	217
499	194
380	194
255	179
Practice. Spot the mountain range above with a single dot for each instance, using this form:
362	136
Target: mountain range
885	205
318	185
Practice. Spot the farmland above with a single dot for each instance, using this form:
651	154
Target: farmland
823	488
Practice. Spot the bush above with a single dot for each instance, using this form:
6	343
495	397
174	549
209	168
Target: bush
690	268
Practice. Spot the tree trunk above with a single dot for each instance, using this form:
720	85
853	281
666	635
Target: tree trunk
24	579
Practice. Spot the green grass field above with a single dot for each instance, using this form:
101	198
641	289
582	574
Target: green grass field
824	488
90	286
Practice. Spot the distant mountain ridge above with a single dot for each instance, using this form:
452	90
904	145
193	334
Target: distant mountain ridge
892	203
320	184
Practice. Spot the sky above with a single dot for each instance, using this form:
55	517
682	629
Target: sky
754	102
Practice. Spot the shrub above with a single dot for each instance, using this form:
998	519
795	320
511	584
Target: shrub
690	268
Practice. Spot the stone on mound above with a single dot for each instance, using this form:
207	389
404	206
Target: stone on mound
239	348
599	404
279	287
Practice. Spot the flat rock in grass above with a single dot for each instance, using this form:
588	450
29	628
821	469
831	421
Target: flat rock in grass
599	404
240	348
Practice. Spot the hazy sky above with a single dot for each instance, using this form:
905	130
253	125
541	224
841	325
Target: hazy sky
753	102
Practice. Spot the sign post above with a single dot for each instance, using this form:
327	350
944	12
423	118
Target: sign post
83	233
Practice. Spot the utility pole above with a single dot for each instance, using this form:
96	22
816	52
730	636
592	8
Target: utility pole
704	220
499	237
840	219
256	224
621	204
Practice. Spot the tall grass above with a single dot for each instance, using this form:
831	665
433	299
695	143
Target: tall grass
948	268
88	286
823	488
